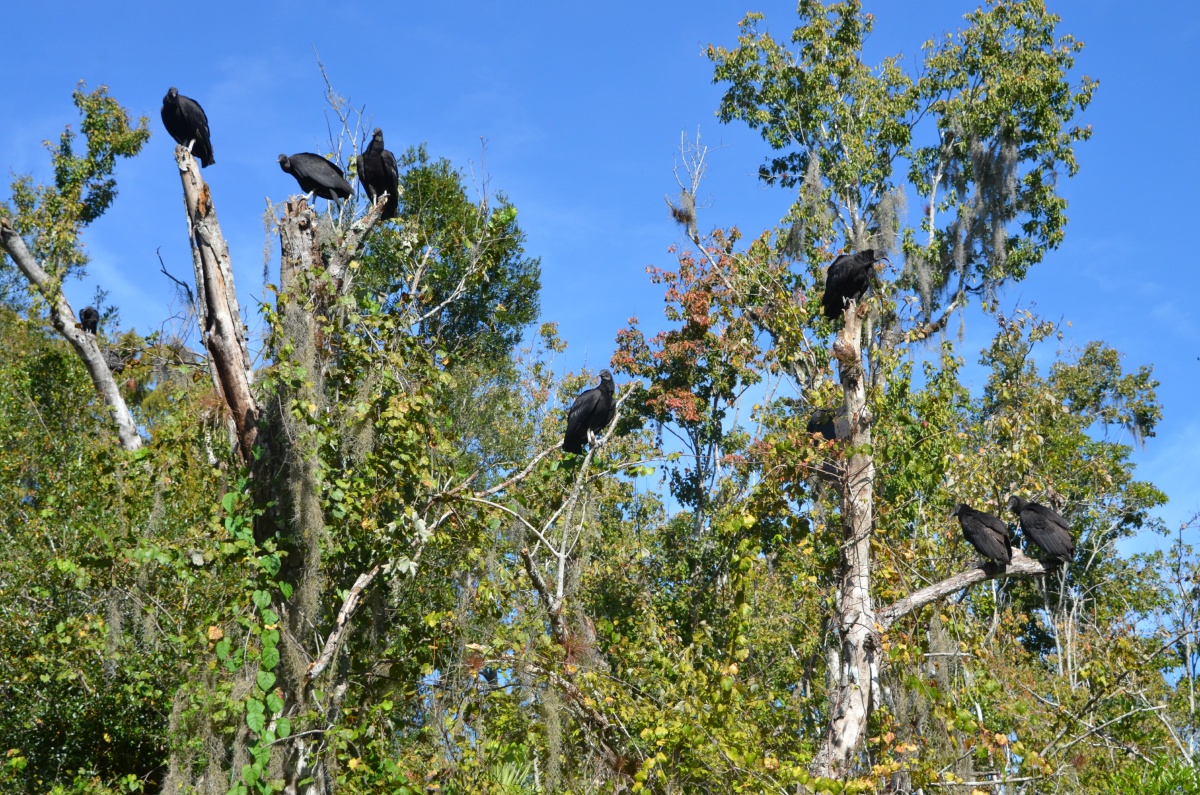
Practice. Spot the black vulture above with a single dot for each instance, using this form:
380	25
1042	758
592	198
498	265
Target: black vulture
113	359
830	423
185	121
317	175
378	173
89	319
988	534
849	277
821	422
1045	528
592	410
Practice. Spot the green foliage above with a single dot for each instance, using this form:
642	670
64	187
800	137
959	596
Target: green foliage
51	216
994	98
662	617
479	290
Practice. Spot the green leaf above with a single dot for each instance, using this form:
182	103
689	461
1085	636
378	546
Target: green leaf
265	680
256	721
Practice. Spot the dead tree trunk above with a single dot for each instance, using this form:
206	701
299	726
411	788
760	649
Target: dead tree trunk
314	271
857	678
63	319
220	318
292	469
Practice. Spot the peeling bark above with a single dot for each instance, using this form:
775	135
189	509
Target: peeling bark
857	678
217	308
63	319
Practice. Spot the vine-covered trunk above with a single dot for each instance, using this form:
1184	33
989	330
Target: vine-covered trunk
856	680
285	475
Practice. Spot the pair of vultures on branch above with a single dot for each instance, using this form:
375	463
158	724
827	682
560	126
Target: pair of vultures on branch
849	278
377	172
1041	525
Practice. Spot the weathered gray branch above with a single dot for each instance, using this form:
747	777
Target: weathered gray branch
217	308
1021	566
558	621
63	319
334	641
339	261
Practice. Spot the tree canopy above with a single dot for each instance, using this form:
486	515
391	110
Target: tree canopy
355	560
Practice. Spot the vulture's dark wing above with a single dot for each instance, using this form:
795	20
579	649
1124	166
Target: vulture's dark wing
379	176
1048	530
317	175
822	422
988	534
194	117
187	123
89	319
579	419
392	175
832	300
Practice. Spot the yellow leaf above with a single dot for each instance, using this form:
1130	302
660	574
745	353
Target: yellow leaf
215	633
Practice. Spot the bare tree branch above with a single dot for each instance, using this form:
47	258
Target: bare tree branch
63	319
558	621
1021	566
334	641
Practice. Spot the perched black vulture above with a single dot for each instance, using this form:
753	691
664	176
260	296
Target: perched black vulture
317	175
592	410
988	534
821	422
378	173
849	277
185	121
1045	528
113	359
89	319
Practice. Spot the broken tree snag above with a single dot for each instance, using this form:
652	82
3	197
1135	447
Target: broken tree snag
339	261
1021	566
300	250
217	308
857	677
63	319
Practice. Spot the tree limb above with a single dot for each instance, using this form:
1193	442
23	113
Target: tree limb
558	622
338	263
334	641
63	319
1021	566
217	308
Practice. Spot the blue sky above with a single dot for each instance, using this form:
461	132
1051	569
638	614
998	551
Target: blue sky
581	107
